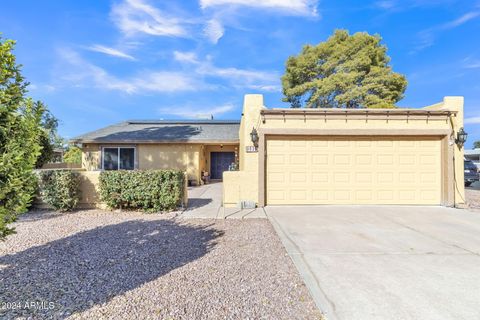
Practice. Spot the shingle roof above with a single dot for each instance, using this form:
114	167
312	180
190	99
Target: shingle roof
151	131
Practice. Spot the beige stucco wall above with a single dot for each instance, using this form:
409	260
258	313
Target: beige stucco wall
184	157
192	158
238	185
456	122
91	157
243	184
89	196
62	165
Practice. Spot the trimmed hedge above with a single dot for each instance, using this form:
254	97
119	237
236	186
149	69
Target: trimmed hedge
147	190
60	188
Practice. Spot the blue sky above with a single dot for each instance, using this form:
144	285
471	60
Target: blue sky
99	62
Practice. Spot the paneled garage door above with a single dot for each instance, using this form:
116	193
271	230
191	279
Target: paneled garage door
353	170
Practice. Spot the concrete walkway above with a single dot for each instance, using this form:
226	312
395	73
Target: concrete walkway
205	202
380	262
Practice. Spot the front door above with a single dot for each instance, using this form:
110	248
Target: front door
219	162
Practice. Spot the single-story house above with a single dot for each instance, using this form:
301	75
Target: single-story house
195	146
302	156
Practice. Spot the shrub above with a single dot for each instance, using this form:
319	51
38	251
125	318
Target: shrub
147	190
73	155
60	188
20	128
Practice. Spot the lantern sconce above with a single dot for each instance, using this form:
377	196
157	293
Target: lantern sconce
254	137
461	137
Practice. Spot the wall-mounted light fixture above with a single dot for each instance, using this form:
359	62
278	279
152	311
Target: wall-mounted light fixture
254	137
461	137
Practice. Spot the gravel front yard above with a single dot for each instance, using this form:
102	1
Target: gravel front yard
104	265
473	197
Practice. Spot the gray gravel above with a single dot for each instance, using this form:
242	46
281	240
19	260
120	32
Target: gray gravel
107	265
473	197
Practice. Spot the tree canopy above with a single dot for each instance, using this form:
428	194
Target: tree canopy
20	129
346	71
476	144
73	155
49	138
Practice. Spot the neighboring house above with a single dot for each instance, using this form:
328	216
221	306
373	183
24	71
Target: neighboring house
302	156
474	156
194	146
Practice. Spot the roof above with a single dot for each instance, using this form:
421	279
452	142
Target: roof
473	152
165	131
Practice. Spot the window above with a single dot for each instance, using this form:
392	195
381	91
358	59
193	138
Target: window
118	158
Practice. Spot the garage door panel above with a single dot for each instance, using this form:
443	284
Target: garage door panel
353	170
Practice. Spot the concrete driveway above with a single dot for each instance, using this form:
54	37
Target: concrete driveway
379	262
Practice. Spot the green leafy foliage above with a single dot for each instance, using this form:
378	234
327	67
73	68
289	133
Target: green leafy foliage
148	190
73	155
346	71
46	153
49	138
60	188
476	144
20	129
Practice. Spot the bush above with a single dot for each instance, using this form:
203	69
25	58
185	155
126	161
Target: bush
20	129
60	188
73	155
148	190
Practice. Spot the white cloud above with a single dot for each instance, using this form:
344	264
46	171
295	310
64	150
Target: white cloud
48	88
189	57
236	74
471	63
472	120
136	17
110	51
82	73
198	75
386	4
214	30
460	20
166	81
188	111
238	78
291	7
426	38
266	88
399	5
225	13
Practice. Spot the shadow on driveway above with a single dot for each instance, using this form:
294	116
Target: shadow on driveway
92	267
195	203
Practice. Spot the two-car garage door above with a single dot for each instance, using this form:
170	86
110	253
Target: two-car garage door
353	170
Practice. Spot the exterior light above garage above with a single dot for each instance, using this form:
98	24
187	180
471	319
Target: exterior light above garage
461	137
254	137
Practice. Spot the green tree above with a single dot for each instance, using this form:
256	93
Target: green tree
346	71
20	128
476	144
49	138
73	155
